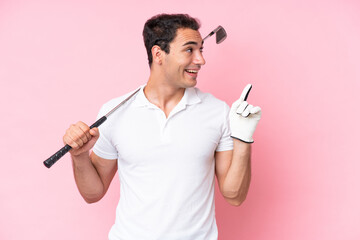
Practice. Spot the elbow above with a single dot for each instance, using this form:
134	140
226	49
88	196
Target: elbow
235	198
236	202
92	199
92	195
230	194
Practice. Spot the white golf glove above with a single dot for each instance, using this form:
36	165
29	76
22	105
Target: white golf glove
244	117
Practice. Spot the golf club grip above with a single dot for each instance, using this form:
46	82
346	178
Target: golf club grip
98	122
54	158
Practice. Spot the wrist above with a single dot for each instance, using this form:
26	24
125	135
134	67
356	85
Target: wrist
81	158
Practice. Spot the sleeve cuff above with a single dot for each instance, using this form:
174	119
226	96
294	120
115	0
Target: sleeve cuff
241	140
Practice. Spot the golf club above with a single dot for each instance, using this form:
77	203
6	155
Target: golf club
220	34
220	37
55	157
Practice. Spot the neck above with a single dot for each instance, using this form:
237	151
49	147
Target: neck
163	94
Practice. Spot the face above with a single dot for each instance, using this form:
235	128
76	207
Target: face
182	65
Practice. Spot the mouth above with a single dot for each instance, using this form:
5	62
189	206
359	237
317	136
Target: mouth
192	72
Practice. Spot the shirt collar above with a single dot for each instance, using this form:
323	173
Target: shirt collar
190	97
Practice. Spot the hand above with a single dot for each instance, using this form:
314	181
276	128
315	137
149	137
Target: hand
244	117
80	138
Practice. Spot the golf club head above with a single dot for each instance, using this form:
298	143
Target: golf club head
220	34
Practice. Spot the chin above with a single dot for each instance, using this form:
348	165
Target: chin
192	84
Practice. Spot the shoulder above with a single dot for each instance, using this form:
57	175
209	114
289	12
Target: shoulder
210	100
112	103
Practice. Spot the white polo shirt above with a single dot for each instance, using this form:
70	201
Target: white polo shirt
166	165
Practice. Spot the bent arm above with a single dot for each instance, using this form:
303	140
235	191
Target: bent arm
93	175
233	171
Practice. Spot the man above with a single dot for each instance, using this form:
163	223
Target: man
167	143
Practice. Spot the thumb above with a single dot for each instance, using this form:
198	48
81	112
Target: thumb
255	110
94	132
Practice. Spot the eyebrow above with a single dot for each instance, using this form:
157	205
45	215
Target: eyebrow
190	43
194	43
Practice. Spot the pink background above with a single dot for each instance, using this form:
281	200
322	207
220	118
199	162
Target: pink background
61	60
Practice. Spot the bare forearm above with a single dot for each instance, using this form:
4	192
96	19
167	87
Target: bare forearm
87	178
237	181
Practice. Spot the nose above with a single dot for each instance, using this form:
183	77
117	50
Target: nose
199	59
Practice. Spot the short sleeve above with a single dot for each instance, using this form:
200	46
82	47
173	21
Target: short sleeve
226	142
103	146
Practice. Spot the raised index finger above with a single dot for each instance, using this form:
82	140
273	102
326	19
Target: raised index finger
245	92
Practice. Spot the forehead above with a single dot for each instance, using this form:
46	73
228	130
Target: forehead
186	35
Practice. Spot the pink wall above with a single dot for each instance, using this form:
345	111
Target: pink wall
61	60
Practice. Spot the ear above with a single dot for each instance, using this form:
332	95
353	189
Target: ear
157	54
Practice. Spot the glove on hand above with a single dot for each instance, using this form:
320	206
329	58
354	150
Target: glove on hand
244	117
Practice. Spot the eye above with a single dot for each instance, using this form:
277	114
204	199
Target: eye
189	50
201	50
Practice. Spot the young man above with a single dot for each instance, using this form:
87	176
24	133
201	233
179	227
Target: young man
167	142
